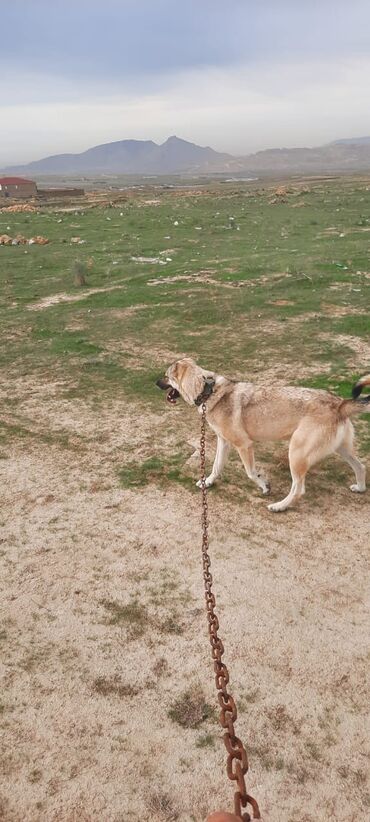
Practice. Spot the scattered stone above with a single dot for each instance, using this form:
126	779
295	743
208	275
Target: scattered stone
20	208
5	239
38	240
280	191
151	260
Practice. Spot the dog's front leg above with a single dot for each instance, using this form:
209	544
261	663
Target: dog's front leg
222	452
246	454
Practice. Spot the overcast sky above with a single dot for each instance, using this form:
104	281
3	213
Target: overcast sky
239	75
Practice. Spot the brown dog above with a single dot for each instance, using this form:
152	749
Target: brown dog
316	422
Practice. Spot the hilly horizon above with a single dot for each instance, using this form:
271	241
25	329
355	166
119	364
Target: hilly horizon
177	156
130	157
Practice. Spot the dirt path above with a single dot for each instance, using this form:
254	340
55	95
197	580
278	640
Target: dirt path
103	630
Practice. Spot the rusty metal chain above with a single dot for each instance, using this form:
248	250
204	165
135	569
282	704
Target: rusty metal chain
237	760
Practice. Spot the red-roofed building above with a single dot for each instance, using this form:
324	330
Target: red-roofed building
17	187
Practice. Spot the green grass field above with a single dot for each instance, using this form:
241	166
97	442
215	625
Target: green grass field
247	282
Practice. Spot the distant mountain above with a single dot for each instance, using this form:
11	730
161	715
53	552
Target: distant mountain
336	157
177	156
131	157
353	141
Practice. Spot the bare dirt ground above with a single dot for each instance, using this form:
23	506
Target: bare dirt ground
103	630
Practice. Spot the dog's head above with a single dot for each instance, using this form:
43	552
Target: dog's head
186	379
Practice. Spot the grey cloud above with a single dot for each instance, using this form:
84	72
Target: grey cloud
130	42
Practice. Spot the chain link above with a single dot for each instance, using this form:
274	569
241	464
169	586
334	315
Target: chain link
237	760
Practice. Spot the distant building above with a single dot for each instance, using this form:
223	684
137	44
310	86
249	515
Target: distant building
17	187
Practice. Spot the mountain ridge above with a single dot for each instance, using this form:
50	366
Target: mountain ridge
129	156
178	156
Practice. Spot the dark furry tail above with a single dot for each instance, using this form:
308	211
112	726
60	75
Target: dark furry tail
356	390
357	403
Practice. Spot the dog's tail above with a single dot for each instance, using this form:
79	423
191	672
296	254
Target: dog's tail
357	404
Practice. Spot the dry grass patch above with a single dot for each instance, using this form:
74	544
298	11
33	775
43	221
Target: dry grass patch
160	667
280	720
133	616
172	625
205	741
161	808
190	709
113	686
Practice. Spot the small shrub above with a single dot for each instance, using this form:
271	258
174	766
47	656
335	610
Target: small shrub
79	271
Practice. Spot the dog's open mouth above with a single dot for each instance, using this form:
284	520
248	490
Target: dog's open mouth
172	393
172	396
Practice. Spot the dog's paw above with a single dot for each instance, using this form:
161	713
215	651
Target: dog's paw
208	483
358	489
275	507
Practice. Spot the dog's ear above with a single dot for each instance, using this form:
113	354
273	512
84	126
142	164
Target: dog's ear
179	368
190	379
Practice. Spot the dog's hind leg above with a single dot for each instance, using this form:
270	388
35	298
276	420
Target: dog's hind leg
295	493
299	466
309	444
346	451
246	454
222	452
305	448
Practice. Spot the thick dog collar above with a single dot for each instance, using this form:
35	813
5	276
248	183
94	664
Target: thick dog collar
209	384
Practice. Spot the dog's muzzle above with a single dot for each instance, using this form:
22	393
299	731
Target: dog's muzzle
172	393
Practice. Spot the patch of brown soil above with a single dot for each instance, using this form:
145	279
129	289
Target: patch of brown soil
280	302
333	310
197	276
139	353
122	313
55	299
205	276
359	346
284	372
